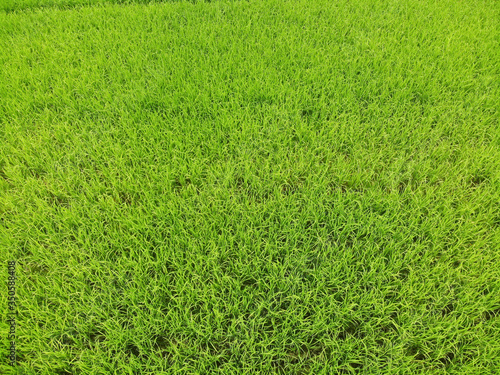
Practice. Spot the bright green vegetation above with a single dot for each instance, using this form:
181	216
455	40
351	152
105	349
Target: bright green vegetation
244	187
23	5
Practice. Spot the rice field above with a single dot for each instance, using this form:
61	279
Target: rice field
251	187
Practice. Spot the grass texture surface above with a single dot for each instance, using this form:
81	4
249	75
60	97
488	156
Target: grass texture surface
251	187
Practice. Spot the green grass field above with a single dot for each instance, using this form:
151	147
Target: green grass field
251	187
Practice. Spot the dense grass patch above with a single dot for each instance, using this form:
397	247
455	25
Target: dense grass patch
290	187
29	5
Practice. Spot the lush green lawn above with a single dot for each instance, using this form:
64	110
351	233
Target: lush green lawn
244	187
22	5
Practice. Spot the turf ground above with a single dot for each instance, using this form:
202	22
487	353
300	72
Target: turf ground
251	187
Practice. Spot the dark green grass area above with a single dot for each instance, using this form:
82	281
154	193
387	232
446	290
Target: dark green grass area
19	6
274	187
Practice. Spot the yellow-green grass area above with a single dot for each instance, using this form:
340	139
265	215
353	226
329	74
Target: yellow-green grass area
251	187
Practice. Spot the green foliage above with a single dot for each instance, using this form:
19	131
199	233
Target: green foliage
242	187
